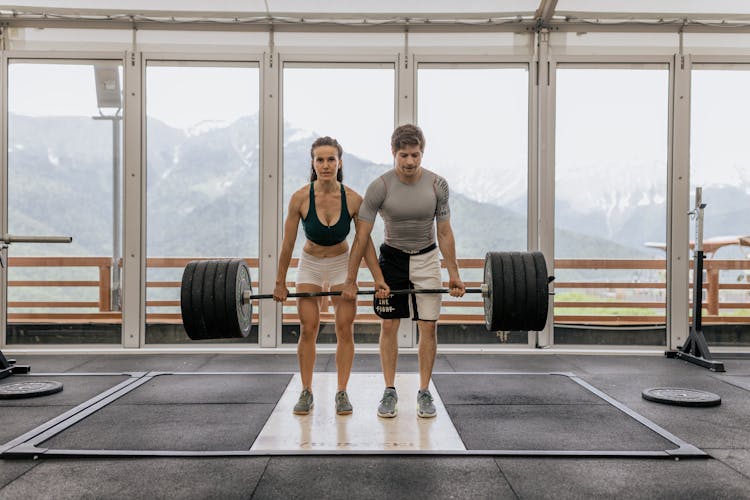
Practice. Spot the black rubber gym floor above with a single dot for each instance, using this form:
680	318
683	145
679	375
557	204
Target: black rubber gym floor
222	413
565	426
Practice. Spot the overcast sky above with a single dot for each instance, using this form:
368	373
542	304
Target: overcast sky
467	114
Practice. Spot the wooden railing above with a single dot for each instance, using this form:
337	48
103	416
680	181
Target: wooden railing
625	302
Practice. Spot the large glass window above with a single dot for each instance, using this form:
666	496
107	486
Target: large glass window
720	165
354	105
611	149
475	121
202	144
64	179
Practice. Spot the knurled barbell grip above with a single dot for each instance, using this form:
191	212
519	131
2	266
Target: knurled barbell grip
247	296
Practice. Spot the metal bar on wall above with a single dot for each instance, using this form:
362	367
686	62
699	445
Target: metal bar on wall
678	259
271	130
134	203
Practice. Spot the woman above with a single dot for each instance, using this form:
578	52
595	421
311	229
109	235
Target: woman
326	209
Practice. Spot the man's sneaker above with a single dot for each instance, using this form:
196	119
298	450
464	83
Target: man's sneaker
425	407
304	403
387	408
343	406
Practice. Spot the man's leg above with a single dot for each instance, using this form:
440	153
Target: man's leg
389	350
427	351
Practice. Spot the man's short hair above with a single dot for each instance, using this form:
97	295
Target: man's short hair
407	135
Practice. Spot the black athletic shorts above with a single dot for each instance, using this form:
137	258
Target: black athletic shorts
404	270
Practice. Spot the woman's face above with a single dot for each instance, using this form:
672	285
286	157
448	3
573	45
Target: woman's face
326	162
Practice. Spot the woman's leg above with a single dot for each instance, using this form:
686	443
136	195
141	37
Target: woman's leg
308	310
345	312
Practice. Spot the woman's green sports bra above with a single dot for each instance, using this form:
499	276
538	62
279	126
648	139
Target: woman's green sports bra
319	233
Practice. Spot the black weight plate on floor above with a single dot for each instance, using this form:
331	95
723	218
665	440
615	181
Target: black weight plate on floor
186	299
542	291
239	316
207	300
680	396
200	332
493	300
220	298
29	389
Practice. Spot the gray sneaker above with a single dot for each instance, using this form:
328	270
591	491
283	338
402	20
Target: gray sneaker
387	408
343	406
425	407
304	403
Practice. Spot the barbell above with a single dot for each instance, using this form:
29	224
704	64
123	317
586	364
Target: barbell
216	296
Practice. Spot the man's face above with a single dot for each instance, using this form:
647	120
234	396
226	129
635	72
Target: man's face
408	160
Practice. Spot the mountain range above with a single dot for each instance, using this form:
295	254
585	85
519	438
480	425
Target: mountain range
203	195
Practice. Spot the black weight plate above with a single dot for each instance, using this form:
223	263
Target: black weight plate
489	294
29	389
200	331
539	319
518	308
220	298
680	396
509	292
186	300
493	277
239	316
530	290
207	300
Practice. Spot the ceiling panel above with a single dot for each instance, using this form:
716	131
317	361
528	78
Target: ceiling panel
674	7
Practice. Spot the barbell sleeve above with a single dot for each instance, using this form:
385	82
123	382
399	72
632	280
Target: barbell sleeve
11	238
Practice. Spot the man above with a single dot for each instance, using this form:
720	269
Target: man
412	201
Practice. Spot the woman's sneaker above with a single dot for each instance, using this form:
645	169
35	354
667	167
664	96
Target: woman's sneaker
304	403
343	406
387	408
425	406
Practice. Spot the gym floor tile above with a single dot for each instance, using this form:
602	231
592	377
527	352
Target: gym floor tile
512	389
382	477
553	427
183	478
190	427
533	478
219	388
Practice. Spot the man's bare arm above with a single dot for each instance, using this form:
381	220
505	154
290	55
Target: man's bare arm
447	244
363	229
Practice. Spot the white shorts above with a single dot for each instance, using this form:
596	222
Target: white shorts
318	270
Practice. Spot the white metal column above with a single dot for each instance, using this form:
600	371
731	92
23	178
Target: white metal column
545	171
269	312
406	112
134	202
3	188
532	186
678	259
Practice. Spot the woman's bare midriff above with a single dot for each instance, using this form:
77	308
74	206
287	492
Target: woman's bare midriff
323	252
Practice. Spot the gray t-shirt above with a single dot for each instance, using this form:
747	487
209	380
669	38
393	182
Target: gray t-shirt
409	211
